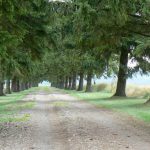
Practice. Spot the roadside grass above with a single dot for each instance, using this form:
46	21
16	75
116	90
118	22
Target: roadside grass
60	104
12	104
46	89
132	106
15	118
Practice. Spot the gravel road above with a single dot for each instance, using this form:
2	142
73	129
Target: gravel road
61	122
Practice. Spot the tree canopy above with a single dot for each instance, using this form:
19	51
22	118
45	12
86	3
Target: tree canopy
79	39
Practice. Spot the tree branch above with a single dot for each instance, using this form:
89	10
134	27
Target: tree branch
139	33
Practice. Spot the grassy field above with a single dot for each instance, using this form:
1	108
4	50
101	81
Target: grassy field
12	104
132	106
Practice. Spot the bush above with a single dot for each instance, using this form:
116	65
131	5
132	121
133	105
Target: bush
100	87
131	90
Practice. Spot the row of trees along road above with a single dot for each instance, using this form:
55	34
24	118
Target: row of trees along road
24	34
63	41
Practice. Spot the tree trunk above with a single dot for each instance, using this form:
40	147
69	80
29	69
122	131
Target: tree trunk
66	83
62	84
8	89
80	88
148	102
14	84
18	86
122	74
26	85
89	82
2	88
30	85
56	84
34	84
22	86
70	82
52	84
74	81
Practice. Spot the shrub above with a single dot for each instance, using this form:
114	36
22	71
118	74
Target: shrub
100	87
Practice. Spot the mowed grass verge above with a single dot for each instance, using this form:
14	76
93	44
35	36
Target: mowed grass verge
134	107
12	104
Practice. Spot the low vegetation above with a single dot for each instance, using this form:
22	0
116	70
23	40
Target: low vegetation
60	104
131	90
12	104
133	106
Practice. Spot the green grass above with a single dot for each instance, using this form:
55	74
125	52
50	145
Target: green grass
12	104
60	104
15	118
134	107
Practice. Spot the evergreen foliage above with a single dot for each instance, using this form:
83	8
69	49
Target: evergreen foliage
62	41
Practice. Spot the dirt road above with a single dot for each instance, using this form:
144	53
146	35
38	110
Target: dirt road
60	122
